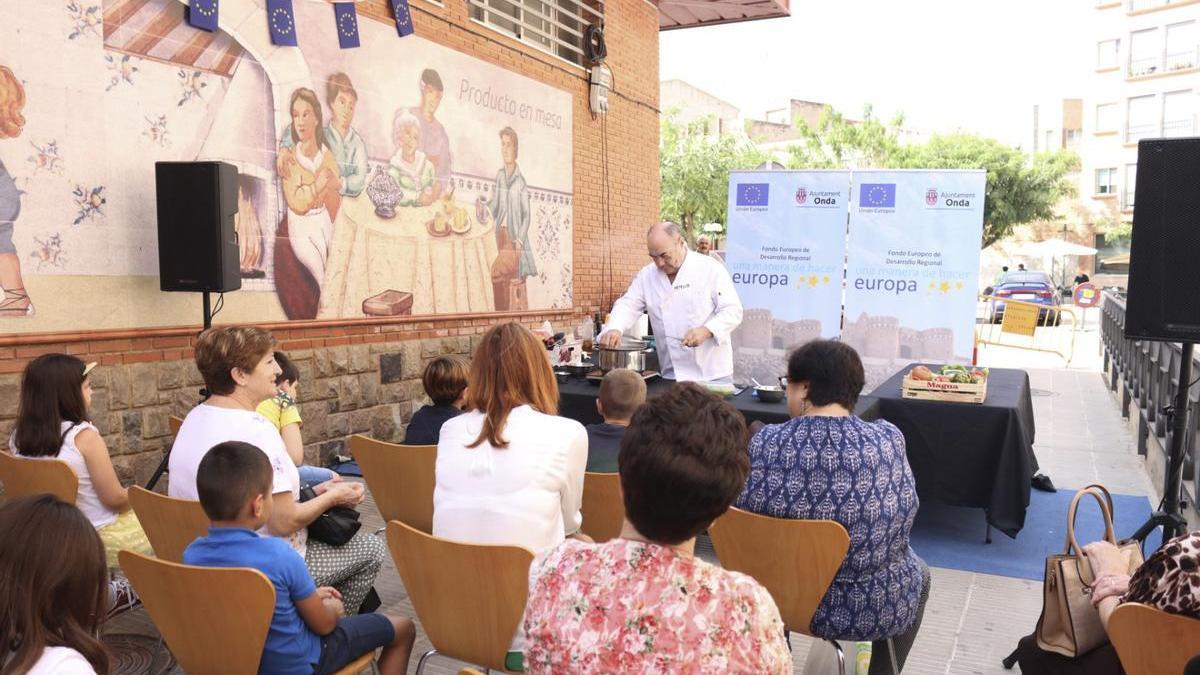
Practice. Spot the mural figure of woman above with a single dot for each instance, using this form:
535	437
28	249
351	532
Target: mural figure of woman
409	167
312	188
509	207
16	300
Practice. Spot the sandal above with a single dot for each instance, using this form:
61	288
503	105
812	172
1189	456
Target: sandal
11	305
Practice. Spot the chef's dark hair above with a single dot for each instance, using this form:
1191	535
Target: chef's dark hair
831	369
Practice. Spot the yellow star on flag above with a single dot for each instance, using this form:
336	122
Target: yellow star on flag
958	286
812	281
945	287
825	280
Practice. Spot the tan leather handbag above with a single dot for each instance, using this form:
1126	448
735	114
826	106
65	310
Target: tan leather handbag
1069	625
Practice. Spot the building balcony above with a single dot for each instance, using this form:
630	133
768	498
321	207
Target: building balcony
1127	200
1163	65
1145	6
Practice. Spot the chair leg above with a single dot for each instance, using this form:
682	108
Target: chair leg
424	657
891	643
841	656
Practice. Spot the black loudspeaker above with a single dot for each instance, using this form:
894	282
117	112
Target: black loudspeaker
1163	301
197	243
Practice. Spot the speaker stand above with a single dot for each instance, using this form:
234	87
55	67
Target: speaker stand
166	460
1173	523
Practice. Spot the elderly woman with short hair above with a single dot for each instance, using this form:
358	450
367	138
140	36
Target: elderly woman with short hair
239	371
827	464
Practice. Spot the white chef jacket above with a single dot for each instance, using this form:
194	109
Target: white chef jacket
702	295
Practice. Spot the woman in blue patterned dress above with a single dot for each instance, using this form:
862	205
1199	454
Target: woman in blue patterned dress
827	464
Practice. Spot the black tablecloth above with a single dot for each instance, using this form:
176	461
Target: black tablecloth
577	400
967	454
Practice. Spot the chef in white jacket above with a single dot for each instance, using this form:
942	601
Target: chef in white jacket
693	309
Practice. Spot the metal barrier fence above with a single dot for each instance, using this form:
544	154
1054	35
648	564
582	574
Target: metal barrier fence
1150	374
1052	331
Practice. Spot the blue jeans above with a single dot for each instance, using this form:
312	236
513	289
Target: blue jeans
315	474
354	636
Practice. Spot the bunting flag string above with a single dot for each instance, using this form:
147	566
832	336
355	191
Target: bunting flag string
347	24
404	24
282	20
202	14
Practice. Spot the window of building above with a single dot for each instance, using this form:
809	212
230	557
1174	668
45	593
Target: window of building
1128	185
1142	117
1050	144
1145	52
1179	113
1107	54
1106	181
555	26
1072	139
1106	117
1183	42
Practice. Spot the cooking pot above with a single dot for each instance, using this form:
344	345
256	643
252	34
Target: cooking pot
630	354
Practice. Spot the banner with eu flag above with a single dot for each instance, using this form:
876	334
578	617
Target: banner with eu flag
784	249
912	267
202	14
404	23
282	20
347	24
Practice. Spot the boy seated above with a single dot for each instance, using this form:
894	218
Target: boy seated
621	392
445	382
283	412
309	633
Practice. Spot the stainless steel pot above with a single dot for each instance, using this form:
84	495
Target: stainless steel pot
629	354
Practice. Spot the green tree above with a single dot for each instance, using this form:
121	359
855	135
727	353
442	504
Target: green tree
695	172
837	143
1019	190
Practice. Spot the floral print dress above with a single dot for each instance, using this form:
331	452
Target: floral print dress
633	607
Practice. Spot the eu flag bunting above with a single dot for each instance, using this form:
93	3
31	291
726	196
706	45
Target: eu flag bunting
282	20
347	24
203	14
404	24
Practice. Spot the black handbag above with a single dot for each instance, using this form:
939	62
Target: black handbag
336	526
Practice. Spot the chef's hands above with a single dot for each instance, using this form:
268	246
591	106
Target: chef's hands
610	338
696	337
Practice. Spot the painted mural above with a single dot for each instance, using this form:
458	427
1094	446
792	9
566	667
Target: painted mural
399	177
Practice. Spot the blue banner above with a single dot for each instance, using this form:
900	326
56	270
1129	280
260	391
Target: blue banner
347	24
404	24
785	248
282	20
913	267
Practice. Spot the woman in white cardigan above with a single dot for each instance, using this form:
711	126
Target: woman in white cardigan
510	471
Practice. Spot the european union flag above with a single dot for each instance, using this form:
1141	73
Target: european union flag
877	195
404	24
203	14
347	24
752	194
282	20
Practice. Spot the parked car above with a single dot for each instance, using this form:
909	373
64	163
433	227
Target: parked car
1035	287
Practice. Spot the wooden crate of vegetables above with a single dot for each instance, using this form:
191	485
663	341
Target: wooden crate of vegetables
950	383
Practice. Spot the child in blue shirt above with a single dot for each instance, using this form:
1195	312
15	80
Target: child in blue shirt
309	633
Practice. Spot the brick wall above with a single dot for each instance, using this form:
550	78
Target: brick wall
363	376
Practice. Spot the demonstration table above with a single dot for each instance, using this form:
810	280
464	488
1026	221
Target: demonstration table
968	454
577	400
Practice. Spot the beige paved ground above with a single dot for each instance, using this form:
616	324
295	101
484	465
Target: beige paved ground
972	620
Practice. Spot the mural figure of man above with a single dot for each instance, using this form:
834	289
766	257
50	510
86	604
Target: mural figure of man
509	207
347	145
434	141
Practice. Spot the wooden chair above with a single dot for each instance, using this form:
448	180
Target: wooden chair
795	560
603	506
175	422
214	619
468	597
24	476
401	479
170	524
1150	641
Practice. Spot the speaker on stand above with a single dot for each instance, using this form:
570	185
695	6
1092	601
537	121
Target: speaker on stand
1163	299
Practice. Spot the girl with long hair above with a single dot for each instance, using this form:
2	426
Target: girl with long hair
53	588
312	186
52	423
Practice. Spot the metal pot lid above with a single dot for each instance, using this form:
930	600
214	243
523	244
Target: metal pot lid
627	344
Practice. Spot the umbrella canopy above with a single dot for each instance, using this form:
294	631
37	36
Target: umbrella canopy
1054	248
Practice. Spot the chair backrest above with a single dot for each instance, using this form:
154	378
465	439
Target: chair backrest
214	619
468	597
603	507
170	524
401	479
1150	641
795	560
24	476
174	422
